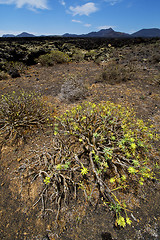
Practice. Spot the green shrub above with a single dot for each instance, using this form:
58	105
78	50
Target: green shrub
78	55
20	112
11	65
53	57
90	55
45	60
100	149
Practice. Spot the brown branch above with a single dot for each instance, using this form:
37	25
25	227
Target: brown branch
104	189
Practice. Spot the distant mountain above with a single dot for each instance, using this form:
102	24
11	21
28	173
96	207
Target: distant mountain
110	33
8	35
106	33
23	34
103	33
151	32
70	35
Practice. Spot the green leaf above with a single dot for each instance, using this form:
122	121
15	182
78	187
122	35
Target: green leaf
59	167
105	164
96	158
133	146
66	165
132	170
132	140
136	163
113	138
95	135
123	177
83	118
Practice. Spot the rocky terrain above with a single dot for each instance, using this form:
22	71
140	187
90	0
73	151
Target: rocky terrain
124	72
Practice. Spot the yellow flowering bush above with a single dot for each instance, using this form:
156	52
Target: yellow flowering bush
100	148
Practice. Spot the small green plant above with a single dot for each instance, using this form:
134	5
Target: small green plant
142	97
115	207
120	220
21	112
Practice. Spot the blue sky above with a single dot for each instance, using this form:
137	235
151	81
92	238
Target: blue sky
77	16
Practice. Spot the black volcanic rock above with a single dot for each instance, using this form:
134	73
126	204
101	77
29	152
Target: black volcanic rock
14	73
151	32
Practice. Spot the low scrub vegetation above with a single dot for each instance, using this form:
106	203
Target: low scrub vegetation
115	73
11	66
3	75
20	112
54	57
99	150
78	55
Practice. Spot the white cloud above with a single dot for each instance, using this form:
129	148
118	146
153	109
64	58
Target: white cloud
85	9
87	25
113	2
76	21
62	3
32	4
105	27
